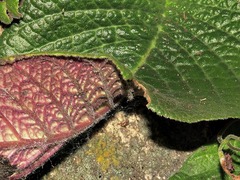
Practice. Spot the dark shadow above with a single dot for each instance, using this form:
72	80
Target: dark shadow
174	134
164	132
222	173
6	26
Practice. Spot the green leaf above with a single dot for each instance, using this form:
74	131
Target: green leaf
229	149
184	53
3	13
12	6
9	9
202	164
193	71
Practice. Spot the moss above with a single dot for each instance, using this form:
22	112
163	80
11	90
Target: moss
105	152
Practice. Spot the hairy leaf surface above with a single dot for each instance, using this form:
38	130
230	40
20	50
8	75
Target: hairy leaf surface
45	101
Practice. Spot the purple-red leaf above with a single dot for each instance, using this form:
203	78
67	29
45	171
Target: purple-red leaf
44	101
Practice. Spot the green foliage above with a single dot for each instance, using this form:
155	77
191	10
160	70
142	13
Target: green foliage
3	13
208	162
8	10
229	149
203	164
185	53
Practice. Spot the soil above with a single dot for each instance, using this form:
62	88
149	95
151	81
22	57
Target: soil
134	143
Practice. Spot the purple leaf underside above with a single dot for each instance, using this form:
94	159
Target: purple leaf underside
45	101
24	161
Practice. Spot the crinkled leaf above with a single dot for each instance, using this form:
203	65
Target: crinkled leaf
47	100
202	164
184	53
21	162
44	101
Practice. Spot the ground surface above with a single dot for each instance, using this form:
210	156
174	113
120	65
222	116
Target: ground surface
133	144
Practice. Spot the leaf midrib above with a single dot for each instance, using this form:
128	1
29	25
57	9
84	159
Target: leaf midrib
149	50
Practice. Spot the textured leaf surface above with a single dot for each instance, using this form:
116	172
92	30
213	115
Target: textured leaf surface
203	164
184	53
45	101
24	161
8	10
48	100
